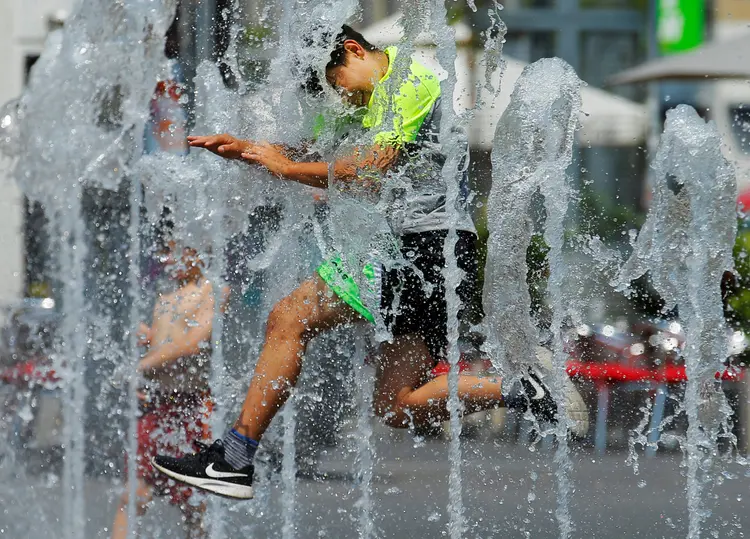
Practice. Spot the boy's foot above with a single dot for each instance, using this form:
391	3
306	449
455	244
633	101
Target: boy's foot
208	470
538	398
575	408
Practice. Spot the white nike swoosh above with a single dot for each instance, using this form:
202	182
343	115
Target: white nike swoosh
210	472
539	389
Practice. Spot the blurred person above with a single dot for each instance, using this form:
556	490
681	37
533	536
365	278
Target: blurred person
166	129
411	299
174	401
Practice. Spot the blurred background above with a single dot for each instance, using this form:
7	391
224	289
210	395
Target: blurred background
639	59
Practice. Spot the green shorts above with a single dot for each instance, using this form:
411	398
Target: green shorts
346	287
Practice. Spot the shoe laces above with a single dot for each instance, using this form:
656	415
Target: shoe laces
207	452
202	446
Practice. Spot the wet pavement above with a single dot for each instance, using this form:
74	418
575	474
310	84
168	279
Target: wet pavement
509	491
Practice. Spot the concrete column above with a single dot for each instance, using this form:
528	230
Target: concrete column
11	213
744	416
23	30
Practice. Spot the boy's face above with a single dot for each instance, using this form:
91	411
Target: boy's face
356	78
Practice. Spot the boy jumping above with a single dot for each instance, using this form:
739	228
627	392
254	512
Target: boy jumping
405	392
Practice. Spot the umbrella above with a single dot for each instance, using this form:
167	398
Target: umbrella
388	31
725	59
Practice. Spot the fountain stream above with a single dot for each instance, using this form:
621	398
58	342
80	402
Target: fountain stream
536	134
80	129
686	246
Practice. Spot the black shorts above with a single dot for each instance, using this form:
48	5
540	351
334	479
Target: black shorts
413	297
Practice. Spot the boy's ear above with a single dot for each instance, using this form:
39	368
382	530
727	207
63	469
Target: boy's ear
355	48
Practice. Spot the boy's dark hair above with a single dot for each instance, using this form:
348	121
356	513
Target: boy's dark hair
312	84
338	55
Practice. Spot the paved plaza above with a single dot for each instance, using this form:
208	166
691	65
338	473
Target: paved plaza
509	491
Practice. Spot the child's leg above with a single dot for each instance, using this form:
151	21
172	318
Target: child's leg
143	498
406	393
304	313
310	309
194	521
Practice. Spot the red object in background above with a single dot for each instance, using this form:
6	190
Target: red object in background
170	428
443	367
613	372
744	200
622	372
28	372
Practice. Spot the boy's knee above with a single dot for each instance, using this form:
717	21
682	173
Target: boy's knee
296	314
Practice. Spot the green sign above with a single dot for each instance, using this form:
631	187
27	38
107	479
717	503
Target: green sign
679	25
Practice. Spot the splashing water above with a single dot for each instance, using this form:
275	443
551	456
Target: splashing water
365	450
454	139
101	71
85	88
536	135
686	246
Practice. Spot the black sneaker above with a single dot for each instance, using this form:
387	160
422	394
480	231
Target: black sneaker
539	399
208	470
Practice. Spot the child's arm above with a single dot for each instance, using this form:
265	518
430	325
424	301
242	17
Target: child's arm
315	174
224	145
230	147
193	343
274	157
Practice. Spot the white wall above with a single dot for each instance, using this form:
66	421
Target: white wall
23	28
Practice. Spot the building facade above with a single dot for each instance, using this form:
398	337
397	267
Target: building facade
23	29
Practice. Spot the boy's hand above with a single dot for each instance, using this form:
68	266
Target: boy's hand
144	335
145	368
268	156
224	145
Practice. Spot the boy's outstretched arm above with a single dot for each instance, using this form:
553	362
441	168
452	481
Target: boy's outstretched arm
224	145
231	147
315	174
275	158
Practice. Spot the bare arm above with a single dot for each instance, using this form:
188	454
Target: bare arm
230	147
191	344
376	159
144	335
276	159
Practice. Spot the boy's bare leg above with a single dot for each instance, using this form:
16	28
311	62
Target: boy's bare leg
226	466
304	313
406	393
143	497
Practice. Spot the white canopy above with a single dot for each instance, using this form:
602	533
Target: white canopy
388	31
606	119
728	59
